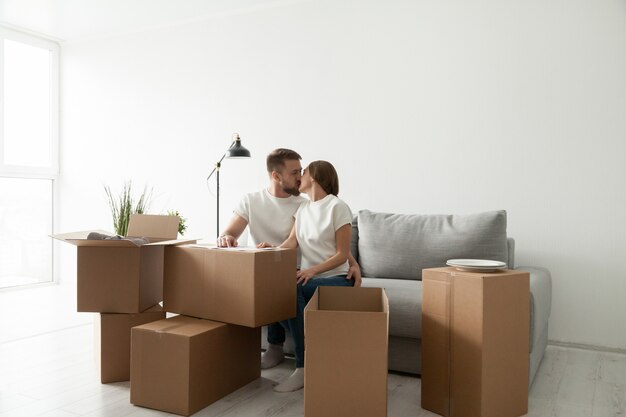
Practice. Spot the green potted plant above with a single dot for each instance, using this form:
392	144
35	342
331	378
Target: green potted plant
124	205
182	224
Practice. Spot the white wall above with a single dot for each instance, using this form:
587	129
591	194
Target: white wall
424	107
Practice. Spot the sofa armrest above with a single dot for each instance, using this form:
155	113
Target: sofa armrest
540	300
510	245
354	242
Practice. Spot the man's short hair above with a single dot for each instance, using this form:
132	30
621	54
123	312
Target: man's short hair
276	159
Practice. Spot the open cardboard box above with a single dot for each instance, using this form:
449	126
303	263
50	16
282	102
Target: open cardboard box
122	276
346	332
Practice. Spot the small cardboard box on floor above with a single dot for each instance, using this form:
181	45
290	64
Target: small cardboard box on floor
122	276
182	364
251	287
475	330
346	332
112	341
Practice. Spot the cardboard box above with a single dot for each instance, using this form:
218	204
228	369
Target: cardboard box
248	288
120	276
475	329
182	364
346	332
112	341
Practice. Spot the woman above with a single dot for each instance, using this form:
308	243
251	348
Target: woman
322	230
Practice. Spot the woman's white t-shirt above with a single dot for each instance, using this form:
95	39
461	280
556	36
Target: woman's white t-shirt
316	224
269	218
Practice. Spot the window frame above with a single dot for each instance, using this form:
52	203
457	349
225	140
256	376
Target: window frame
36	172
18	171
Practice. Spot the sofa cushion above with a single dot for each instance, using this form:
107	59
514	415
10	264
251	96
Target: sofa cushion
405	305
400	246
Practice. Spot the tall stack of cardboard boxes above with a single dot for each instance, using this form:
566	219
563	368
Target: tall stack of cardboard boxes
183	363
223	297
122	280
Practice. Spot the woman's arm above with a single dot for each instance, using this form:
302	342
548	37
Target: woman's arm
291	242
343	235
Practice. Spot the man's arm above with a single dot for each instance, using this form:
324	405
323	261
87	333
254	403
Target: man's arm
354	272
235	228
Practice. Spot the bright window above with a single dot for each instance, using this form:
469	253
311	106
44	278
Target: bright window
25	223
26	115
28	157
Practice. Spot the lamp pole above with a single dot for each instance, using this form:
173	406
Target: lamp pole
235	150
217	174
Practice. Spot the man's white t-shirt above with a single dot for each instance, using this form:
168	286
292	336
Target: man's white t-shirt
269	218
316	224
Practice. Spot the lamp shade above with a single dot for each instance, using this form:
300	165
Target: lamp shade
237	150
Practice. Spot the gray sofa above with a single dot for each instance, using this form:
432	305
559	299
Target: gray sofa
392	250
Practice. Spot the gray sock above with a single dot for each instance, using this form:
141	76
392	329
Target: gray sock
293	383
273	356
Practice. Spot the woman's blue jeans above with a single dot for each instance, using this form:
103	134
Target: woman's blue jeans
276	331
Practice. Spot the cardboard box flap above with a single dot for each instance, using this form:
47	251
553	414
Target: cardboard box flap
155	227
118	243
182	326
80	239
78	235
352	299
385	301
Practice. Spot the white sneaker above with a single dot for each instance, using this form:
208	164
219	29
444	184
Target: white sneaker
293	383
272	357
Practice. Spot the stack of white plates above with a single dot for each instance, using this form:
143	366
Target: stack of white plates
476	265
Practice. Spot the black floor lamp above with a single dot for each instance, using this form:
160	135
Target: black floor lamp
236	151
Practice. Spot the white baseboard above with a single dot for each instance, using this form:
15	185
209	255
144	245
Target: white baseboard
586	347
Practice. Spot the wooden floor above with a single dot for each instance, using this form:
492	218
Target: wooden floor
55	375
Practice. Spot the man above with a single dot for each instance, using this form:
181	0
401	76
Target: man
269	214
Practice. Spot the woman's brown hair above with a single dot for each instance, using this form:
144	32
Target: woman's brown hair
324	173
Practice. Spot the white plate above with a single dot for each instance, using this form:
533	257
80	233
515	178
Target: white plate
482	265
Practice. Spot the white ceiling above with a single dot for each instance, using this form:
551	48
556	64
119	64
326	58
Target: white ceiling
77	20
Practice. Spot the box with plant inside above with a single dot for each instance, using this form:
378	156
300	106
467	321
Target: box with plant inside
123	275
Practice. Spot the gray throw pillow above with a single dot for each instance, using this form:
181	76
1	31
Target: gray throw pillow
401	245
